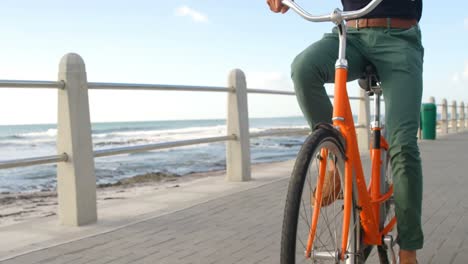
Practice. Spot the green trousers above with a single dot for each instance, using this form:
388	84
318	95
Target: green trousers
398	56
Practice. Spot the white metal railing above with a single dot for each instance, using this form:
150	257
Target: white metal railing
76	181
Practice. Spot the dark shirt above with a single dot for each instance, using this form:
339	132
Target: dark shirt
411	9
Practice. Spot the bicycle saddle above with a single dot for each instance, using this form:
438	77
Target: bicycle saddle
369	79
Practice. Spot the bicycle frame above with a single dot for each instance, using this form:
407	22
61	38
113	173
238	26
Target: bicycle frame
369	200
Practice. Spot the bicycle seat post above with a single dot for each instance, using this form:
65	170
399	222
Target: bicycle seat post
371	85
377	92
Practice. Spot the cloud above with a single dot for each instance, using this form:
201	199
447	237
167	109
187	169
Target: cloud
193	14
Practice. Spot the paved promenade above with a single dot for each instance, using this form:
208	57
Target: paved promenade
242	225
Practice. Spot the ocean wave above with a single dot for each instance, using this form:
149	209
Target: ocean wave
51	132
160	136
124	142
157	136
194	131
132	137
22	142
159	132
277	129
28	142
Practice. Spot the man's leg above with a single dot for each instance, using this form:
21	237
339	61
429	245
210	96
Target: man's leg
398	56
314	67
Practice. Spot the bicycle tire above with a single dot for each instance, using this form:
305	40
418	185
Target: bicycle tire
323	137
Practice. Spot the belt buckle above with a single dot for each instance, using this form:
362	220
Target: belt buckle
357	24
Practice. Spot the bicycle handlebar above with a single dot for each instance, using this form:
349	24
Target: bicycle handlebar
337	16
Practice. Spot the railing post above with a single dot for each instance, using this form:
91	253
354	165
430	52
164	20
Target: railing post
466	115
363	133
76	180
432	101
462	116
238	151
444	117
454	116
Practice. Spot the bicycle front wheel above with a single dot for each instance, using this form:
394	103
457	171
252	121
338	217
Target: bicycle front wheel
313	215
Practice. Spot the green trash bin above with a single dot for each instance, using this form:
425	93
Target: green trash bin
428	120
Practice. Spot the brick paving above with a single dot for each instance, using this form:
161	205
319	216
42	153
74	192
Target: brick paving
245	227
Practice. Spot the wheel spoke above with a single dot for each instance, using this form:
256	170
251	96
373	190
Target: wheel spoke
305	220
327	223
305	212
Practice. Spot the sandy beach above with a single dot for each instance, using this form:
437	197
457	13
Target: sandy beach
19	207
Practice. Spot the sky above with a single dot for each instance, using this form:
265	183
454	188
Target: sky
189	42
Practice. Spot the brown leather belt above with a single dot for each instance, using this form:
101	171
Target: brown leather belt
382	23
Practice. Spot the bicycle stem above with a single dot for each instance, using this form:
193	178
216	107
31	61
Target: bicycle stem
341	62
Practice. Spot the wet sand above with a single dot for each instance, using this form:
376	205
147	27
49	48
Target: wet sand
19	207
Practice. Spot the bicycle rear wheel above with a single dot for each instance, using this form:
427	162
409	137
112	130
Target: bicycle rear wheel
299	208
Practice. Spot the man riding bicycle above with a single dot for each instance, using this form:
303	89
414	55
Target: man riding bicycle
390	39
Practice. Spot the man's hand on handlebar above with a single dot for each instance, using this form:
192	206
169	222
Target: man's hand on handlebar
277	6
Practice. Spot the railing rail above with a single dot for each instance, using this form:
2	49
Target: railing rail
156	87
32	84
165	145
76	181
8	164
282	132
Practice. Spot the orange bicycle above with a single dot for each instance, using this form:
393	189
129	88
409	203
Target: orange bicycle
331	215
